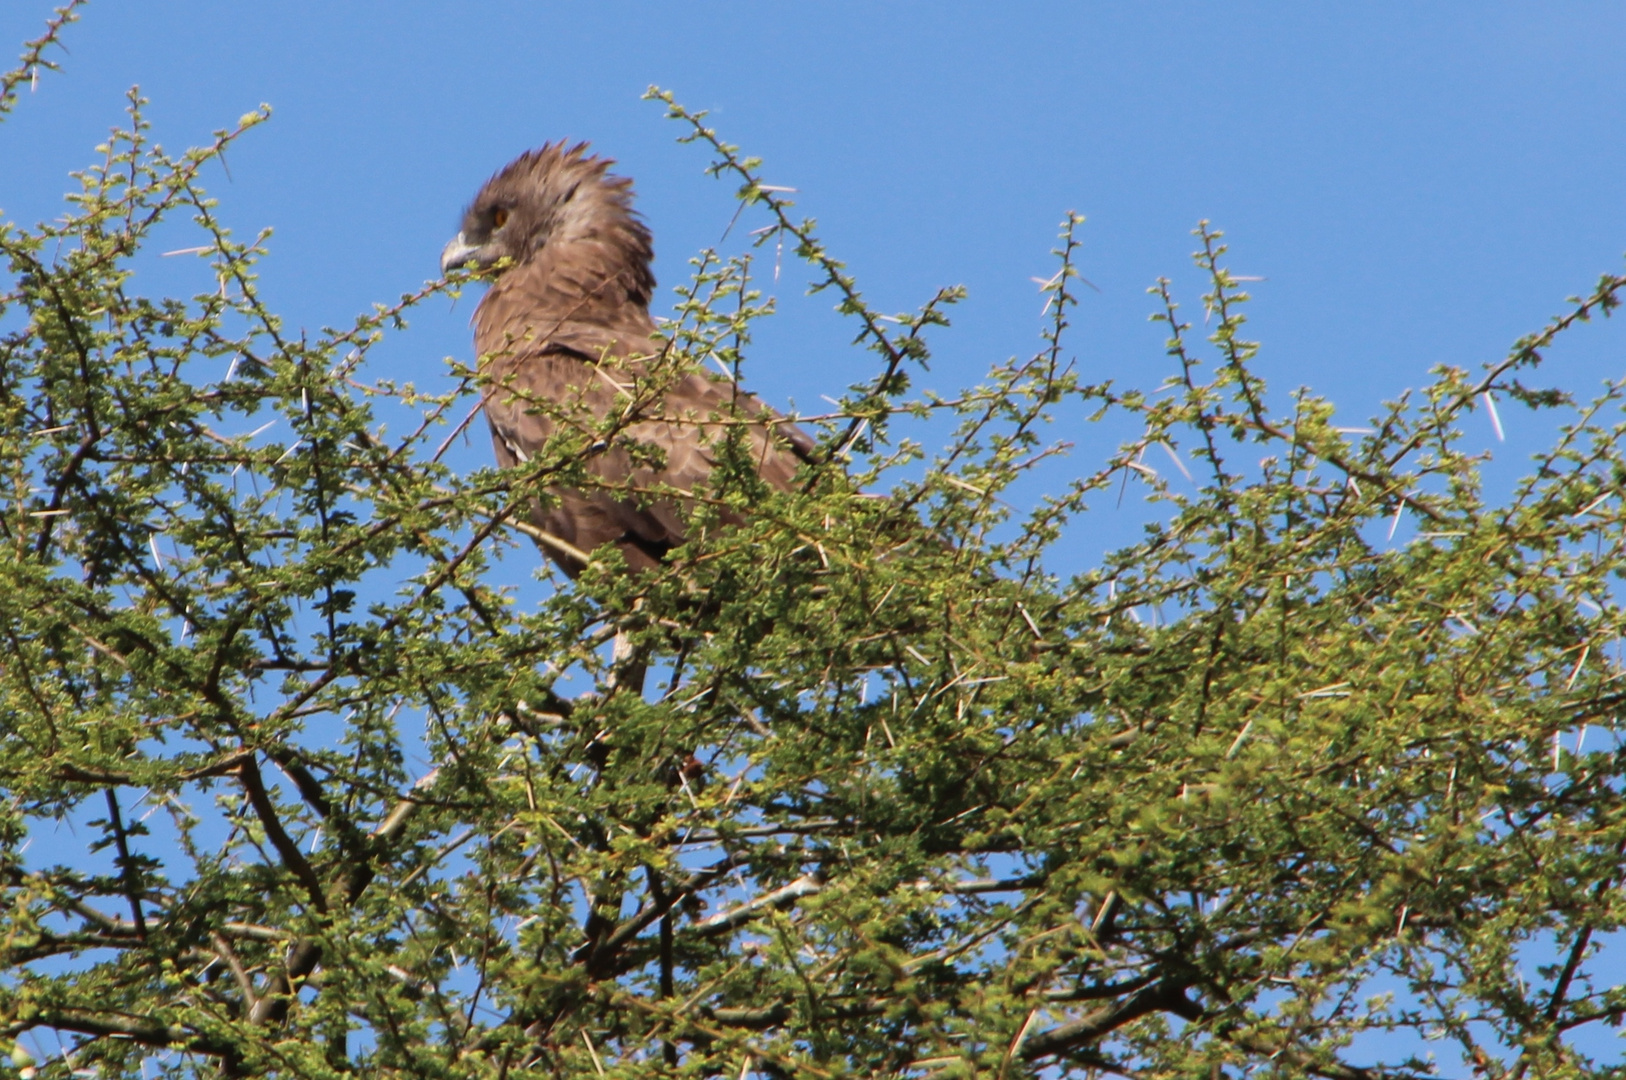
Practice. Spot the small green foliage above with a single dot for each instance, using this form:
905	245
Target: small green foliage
293	789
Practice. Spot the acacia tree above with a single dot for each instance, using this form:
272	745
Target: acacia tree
902	802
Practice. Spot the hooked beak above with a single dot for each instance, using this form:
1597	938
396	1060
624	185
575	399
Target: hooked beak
459	252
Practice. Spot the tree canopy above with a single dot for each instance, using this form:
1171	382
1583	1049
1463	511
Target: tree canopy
294	787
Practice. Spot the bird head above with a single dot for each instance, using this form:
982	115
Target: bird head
555	194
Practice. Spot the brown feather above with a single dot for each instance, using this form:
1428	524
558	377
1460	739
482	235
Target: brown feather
566	327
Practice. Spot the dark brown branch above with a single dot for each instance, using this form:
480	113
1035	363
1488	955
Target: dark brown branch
254	787
601	956
128	873
146	1031
1163	996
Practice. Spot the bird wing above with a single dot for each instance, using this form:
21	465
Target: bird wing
564	341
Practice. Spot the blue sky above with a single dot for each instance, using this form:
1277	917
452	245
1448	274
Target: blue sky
1417	183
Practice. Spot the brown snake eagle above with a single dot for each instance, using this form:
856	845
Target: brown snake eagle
564	335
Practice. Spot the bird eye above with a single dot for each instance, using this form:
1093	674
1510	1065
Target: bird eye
499	218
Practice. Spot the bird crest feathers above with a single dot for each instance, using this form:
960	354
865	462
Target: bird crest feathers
560	194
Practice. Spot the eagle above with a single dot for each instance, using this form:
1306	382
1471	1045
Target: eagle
564	336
